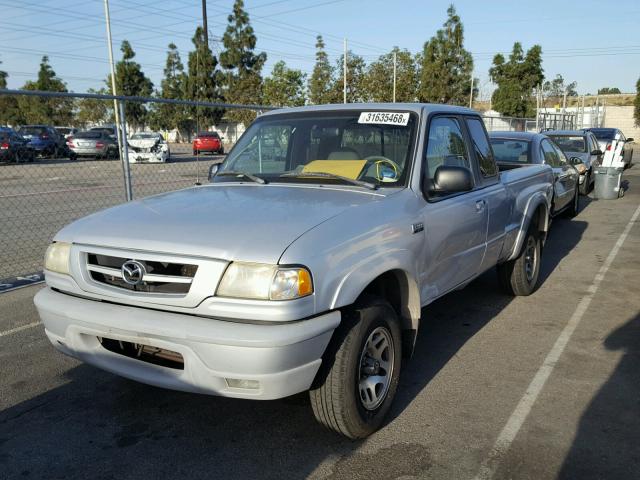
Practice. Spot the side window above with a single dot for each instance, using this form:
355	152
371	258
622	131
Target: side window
481	146
550	155
445	146
594	143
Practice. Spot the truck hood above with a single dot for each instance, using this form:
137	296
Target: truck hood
246	222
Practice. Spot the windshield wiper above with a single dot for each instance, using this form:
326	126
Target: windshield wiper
250	176
352	181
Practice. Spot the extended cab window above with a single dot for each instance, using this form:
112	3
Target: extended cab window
482	148
550	154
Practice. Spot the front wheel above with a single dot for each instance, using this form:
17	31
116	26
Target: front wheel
586	186
359	375
520	275
572	211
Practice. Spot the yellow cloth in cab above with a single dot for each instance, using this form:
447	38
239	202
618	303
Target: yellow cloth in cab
344	168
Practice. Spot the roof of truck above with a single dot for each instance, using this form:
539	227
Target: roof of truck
411	107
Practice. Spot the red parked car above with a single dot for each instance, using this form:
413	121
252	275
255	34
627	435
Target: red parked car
208	142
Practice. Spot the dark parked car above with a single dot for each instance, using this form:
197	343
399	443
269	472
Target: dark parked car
515	149
605	138
208	142
14	148
583	145
44	140
93	143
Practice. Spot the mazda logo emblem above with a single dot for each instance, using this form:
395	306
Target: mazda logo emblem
133	272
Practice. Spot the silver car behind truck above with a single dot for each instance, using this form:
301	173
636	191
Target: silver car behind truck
304	264
97	144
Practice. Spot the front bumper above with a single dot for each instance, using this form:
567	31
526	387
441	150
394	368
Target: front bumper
283	358
144	157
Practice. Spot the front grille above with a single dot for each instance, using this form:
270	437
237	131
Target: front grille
159	277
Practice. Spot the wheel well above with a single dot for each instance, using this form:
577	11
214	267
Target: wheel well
393	286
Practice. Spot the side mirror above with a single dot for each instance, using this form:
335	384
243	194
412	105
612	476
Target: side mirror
630	139
596	152
578	164
213	169
450	180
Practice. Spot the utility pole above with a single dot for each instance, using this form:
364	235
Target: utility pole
113	75
471	93
395	63
344	71
204	23
538	109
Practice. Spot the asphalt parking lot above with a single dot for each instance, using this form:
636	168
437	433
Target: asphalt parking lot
546	386
37	199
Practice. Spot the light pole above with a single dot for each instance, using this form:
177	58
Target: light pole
113	74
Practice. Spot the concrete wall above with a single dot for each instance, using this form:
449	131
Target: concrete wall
622	118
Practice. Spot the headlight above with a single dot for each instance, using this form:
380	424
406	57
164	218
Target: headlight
265	282
57	257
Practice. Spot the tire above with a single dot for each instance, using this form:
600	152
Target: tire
519	277
337	400
573	210
586	186
195	153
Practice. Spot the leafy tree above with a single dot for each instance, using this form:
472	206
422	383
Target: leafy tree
173	86
609	91
285	87
91	111
356	72
9	113
320	82
132	82
378	82
204	81
557	87
53	111
243	67
636	103
516	80
446	67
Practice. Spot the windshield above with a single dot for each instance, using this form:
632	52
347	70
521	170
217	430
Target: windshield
604	133
317	147
570	143
144	136
512	151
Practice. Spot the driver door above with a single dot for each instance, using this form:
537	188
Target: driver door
455	225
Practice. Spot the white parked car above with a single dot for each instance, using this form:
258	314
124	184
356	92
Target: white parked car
148	147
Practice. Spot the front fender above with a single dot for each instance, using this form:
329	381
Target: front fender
402	264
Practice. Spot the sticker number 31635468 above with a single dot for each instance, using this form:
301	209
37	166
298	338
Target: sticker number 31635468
386	118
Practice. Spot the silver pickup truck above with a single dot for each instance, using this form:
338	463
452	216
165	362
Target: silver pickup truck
306	261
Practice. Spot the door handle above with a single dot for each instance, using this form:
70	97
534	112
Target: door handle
480	204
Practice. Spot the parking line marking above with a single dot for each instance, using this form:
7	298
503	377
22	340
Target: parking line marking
19	329
522	410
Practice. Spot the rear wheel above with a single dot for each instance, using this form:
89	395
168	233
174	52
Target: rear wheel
358	379
520	276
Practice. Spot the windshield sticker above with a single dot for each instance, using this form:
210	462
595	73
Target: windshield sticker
384	118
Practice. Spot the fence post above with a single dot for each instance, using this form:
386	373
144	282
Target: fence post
125	155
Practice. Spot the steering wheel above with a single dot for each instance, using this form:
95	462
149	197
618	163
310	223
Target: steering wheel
377	161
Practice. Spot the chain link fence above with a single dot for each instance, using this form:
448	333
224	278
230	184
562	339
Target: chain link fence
41	191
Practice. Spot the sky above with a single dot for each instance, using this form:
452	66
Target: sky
580	40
